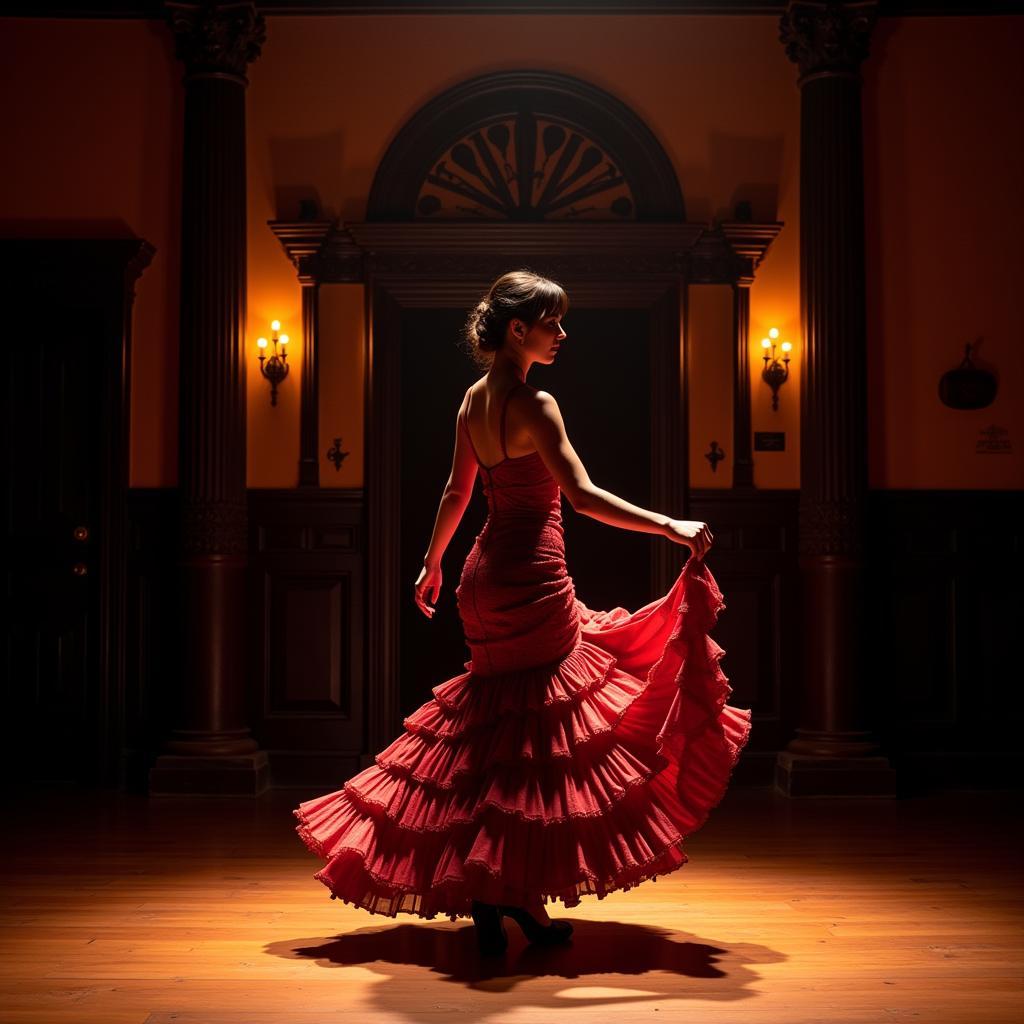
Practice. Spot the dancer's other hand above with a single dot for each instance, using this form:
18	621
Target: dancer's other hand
428	582
695	535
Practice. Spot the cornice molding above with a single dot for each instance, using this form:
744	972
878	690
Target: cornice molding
330	253
750	243
303	241
767	8
522	240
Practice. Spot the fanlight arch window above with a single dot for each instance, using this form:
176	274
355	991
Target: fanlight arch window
526	168
525	146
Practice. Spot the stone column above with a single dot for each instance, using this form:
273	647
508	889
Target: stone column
212	751
834	750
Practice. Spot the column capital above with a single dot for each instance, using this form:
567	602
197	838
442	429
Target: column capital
827	37
750	242
303	241
213	38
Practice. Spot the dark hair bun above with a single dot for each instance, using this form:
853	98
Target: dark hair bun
517	295
482	327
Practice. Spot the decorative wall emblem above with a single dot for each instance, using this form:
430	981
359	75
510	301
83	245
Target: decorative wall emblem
526	168
968	386
714	455
525	146
336	455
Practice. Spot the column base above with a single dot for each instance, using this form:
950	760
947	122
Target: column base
811	775
234	775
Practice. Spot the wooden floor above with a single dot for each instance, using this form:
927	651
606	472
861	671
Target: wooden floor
122	909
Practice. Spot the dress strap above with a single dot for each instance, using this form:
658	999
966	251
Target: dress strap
464	420
504	409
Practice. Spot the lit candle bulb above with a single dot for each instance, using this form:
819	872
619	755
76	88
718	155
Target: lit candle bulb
283	339
275	325
773	333
787	346
765	343
262	342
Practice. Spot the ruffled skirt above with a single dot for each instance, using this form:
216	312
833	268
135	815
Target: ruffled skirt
575	778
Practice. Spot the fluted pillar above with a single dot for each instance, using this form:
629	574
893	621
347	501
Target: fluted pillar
743	463
309	432
834	750
212	749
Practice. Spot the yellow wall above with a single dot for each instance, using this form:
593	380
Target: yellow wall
97	139
91	117
729	123
944	167
342	369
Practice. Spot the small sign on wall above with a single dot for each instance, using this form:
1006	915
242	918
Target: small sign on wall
769	440
993	441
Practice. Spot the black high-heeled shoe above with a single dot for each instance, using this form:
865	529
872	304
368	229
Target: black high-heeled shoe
491	937
540	934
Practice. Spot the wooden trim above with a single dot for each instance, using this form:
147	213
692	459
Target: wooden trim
321	8
937	698
309	395
451	253
526	239
743	462
382	474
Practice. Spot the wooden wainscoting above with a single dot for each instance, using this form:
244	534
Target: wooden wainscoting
945	589
943	575
307	600
754	560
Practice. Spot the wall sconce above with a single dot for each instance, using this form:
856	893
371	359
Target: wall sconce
775	374
276	367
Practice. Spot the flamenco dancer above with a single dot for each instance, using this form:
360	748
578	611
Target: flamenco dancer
580	748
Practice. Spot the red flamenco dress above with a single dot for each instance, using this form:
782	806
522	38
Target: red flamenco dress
574	755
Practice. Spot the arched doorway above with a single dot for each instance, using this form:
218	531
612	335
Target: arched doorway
545	156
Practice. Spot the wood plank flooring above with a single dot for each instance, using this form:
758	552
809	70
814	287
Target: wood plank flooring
122	910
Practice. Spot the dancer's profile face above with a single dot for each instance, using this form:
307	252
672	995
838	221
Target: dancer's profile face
541	340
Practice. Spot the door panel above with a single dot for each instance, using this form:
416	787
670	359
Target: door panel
52	491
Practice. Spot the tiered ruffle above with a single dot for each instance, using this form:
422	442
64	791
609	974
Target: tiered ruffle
565	780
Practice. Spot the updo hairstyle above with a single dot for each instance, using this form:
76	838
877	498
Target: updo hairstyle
519	294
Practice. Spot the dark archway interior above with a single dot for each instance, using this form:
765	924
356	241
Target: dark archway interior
602	383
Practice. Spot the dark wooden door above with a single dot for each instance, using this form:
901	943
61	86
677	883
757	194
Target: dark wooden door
601	380
52	506
65	481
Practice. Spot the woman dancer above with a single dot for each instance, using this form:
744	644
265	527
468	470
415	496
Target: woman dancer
580	748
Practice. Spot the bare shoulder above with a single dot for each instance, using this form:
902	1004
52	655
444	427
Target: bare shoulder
538	402
535	396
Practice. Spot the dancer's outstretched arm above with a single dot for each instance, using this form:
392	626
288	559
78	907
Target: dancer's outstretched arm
542	419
